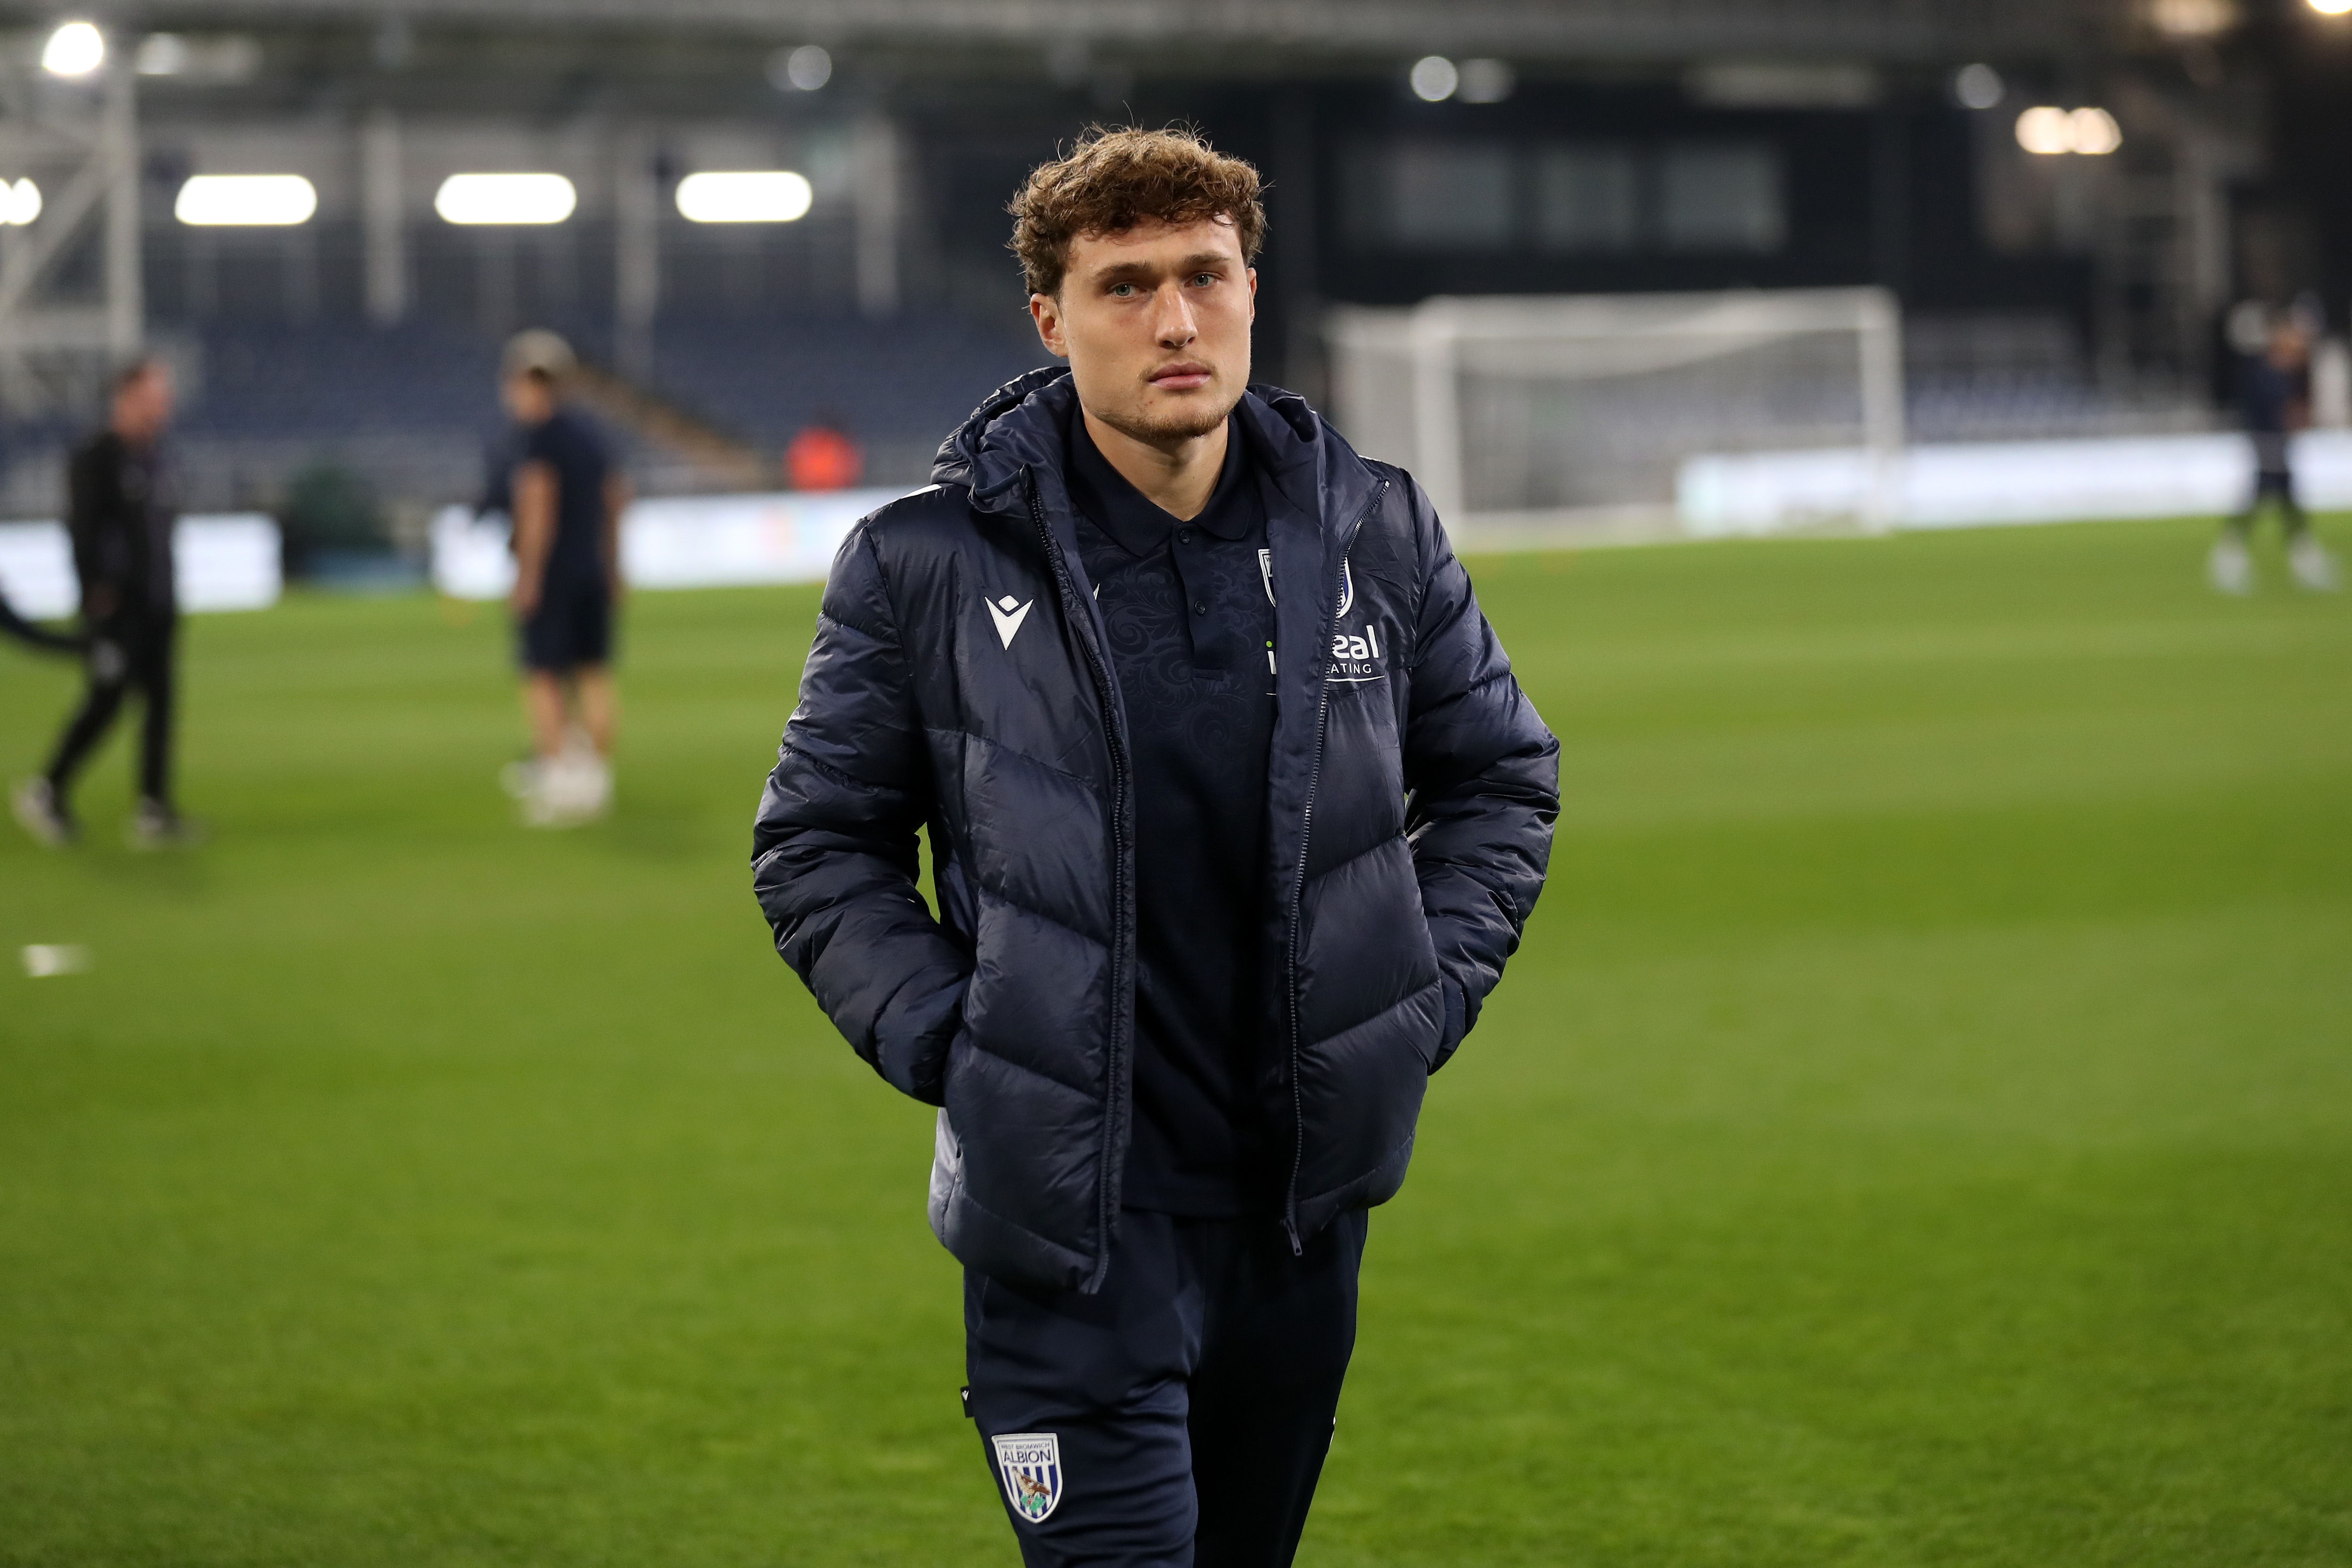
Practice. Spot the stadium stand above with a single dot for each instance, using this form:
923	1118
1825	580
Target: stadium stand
411	408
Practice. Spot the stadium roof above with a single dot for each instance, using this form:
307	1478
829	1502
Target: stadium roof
1531	30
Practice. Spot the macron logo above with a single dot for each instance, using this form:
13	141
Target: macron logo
1008	617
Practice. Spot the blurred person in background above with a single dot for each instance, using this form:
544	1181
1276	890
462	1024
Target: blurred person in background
565	497
824	458
2274	398
119	514
1237	812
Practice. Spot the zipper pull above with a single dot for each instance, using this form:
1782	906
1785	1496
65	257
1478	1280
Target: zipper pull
1290	1228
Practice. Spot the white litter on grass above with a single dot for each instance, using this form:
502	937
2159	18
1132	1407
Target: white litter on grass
43	959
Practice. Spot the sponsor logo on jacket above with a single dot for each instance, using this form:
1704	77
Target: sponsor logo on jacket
1356	654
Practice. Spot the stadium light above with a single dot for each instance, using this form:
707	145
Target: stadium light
2046	130
2050	132
76	49
1979	87
803	70
744	196
1434	79
20	202
2332	8
246	201
2096	133
505	199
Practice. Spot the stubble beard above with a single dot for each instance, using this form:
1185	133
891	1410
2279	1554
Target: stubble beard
1186	421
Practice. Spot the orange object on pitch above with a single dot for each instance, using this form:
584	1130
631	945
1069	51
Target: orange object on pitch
823	458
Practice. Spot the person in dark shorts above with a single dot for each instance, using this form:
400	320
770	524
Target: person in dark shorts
121	516
2274	395
566	499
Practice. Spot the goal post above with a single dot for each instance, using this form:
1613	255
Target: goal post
1578	412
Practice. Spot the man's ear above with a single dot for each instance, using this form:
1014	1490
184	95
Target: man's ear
1252	283
1045	309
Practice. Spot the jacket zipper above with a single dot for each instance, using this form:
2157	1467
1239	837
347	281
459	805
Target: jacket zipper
1298	891
1120	844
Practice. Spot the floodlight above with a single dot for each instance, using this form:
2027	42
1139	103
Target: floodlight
76	49
2046	130
1434	79
2096	132
744	196
803	70
2332	8
1978	86
505	199
20	202
246	201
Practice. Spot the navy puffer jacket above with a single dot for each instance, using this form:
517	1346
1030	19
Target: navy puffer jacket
959	682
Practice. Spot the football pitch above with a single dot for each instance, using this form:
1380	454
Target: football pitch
1917	1131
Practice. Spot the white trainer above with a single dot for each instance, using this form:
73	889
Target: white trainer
2314	567
2230	568
155	826
571	789
36	808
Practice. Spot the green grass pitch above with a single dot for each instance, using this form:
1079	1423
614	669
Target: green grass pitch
1918	1131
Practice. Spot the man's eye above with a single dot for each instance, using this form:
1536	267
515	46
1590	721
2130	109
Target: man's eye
1204	279
1122	290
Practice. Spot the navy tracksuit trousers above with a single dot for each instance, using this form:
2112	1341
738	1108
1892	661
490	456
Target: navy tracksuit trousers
1178	1418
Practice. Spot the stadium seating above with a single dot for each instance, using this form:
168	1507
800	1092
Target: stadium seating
412	406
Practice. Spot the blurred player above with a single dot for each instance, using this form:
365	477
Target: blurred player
566	500
119	514
2274	397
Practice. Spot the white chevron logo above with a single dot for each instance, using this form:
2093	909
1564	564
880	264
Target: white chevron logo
1008	617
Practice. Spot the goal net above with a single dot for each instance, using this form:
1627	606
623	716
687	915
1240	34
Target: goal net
1531	413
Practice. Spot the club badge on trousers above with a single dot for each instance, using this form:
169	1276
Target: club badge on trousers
1031	1464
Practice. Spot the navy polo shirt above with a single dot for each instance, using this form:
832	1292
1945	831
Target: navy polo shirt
1191	621
572	447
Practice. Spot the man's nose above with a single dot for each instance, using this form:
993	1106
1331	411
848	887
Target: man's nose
1173	323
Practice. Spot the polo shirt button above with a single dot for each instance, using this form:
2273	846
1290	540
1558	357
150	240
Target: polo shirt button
1200	606
1185	537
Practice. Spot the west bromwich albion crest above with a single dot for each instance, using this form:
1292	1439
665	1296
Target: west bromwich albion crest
1031	1463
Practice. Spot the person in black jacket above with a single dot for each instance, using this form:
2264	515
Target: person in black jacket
120	516
1237	812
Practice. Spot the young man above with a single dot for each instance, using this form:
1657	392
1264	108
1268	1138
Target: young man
2274	395
566	499
119	514
1235	811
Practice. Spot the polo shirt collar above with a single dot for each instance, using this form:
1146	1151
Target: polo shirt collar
1137	524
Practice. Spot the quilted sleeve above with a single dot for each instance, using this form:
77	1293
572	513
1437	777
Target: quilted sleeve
834	860
1484	774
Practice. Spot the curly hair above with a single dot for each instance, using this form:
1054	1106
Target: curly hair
1117	177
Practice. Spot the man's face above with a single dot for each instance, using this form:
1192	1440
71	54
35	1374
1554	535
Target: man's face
2288	347
1155	321
143	407
528	399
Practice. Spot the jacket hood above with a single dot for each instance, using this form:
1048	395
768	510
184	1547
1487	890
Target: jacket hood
1021	425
